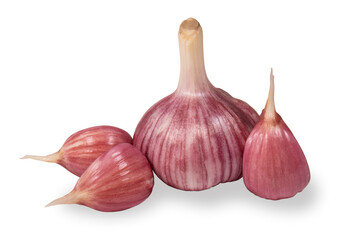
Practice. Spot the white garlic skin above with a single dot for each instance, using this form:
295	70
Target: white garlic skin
195	142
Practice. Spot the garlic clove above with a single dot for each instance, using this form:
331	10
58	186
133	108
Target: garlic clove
274	165
83	147
194	138
119	179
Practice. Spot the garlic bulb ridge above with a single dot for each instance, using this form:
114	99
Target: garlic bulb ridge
194	138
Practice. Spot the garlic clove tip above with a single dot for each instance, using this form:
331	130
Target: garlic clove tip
54	158
270	111
70	198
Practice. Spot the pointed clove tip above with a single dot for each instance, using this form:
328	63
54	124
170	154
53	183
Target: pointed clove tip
51	204
272	77
70	198
271	87
270	106
35	157
54	203
55	157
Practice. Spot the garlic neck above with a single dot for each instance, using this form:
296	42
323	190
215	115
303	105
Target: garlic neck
193	78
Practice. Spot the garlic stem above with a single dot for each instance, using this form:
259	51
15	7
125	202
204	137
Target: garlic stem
193	77
54	158
270	112
70	198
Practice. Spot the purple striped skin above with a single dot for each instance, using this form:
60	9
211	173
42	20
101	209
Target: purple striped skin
119	179
85	146
274	165
196	142
194	138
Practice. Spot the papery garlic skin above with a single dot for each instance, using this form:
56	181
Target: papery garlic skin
85	146
194	138
119	179
274	165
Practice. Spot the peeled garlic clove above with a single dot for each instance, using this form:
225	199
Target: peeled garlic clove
274	166
119	179
194	138
85	146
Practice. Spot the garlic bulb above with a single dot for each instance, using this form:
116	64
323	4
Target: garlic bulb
194	138
274	166
119	179
85	146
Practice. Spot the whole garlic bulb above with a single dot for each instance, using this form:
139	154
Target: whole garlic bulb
194	138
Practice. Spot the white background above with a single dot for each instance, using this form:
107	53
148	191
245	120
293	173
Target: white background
69	65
